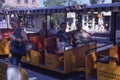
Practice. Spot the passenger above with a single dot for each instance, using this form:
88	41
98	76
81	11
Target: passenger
100	22
63	38
39	41
52	30
17	38
21	24
44	29
80	35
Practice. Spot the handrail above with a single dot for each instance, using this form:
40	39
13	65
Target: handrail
98	47
88	41
82	43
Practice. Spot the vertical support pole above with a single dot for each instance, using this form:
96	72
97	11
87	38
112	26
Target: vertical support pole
65	17
50	18
7	20
47	25
79	18
113	27
36	21
86	71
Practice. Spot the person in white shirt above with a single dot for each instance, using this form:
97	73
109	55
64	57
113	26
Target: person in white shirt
80	35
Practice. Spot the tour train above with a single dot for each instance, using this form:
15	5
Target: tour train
89	57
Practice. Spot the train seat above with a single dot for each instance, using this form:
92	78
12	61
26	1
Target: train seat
51	45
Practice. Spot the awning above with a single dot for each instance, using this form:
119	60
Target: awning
45	10
103	7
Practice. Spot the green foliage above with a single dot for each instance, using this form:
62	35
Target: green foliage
93	1
72	2
57	18
54	2
59	2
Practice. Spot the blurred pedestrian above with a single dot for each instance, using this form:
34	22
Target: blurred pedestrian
18	37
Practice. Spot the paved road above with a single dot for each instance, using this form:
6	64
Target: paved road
43	74
49	75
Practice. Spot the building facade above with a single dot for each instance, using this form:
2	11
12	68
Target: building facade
22	3
7	4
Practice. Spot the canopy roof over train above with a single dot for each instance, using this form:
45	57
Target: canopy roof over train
58	9
44	10
103	7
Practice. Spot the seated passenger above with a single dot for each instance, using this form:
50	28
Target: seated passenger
44	29
63	38
37	43
52	30
80	35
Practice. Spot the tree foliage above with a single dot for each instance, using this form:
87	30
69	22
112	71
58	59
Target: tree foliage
72	2
57	17
93	1
59	2
54	2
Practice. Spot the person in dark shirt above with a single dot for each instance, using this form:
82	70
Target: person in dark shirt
16	39
63	38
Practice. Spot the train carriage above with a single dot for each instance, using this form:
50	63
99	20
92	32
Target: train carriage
82	58
111	65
